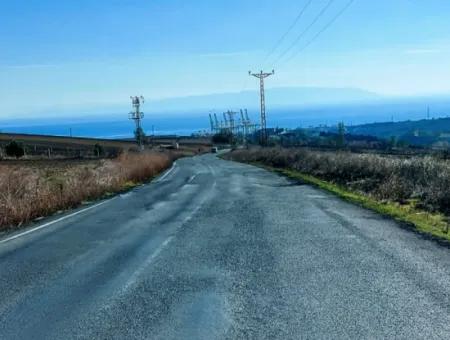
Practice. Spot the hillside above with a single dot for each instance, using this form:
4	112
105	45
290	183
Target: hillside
420	132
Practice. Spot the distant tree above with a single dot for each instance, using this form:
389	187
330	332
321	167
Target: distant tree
224	137
274	141
402	144
341	135
116	152
99	150
13	149
393	142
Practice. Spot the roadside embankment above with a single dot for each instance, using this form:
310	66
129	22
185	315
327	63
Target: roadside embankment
415	190
30	190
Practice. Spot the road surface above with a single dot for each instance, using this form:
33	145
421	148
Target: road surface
220	250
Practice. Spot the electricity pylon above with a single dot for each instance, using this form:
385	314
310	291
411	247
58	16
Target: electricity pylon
261	76
137	116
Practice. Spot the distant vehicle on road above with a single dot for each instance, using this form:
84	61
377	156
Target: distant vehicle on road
214	149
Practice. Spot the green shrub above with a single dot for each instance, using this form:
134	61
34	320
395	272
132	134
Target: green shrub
99	150
223	138
13	149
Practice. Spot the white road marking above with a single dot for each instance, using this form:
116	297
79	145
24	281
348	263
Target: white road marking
136	274
45	225
48	224
126	195
134	278
167	173
149	260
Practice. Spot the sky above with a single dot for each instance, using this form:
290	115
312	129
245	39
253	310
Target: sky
85	54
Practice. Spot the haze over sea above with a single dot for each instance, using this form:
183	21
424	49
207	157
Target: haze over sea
188	123
286	107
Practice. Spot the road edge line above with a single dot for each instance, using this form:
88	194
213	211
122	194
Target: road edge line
159	179
48	224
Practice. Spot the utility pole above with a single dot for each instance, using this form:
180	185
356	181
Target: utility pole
137	116
261	76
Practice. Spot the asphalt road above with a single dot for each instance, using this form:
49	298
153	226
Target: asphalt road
220	250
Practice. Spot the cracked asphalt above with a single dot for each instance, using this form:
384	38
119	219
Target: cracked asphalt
221	250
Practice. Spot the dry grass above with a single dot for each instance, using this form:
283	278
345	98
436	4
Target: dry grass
415	190
32	190
421	181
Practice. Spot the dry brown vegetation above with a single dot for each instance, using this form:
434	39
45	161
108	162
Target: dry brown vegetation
420	181
33	189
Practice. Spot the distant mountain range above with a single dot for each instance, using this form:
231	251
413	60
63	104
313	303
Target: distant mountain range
288	107
275	97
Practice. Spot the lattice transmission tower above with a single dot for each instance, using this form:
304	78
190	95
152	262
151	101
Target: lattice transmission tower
261	76
137	116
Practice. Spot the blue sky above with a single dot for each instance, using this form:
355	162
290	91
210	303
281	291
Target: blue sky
85	54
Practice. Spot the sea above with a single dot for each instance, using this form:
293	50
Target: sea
117	126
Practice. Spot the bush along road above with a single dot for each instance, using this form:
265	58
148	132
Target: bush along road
224	250
414	190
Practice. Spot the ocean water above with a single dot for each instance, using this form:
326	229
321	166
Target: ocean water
118	126
99	127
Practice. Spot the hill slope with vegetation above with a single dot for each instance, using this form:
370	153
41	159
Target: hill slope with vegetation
424	132
414	189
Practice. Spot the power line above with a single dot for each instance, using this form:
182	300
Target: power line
297	19
318	34
278	43
306	30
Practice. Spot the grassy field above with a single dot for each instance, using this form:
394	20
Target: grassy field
414	190
39	146
59	147
32	189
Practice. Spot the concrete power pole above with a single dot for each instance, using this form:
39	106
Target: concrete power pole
261	76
